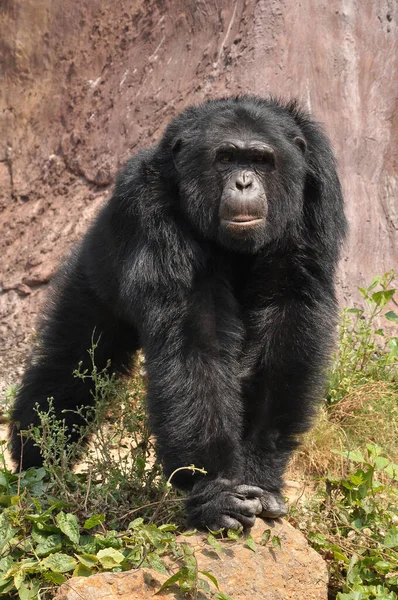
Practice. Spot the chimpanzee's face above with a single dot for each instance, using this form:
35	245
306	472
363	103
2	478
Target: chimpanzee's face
241	177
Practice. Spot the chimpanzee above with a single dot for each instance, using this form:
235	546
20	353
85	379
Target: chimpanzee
216	255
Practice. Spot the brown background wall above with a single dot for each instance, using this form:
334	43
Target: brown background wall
85	84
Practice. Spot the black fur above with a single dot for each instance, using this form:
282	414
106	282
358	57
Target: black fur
236	327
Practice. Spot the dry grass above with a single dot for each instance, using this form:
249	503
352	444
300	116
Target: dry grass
314	457
368	414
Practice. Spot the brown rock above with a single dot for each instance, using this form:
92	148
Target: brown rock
292	572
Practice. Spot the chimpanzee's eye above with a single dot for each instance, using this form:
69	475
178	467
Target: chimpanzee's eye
225	157
264	158
260	158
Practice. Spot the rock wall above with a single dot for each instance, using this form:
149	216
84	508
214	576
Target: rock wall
86	84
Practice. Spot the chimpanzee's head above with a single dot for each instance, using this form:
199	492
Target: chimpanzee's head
240	166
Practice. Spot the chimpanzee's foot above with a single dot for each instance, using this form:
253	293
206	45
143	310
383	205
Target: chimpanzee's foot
222	503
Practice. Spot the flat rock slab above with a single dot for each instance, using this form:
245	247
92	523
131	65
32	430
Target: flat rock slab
292	572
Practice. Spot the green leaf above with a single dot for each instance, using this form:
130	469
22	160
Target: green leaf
35	474
374	449
383	297
357	478
213	542
391	539
250	543
338	555
171	580
110	558
391	316
203	585
29	590
392	471
170	527
375	283
6	585
88	560
82	571
354	455
265	538
136	523
59	563
381	462
156	563
93	521
6	531
317	538
88	544
140	464
19	577
276	541
69	526
189	533
56	578
26	565
5	564
211	577
393	344
49	544
222	596
235	534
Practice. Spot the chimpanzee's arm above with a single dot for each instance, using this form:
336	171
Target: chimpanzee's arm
192	338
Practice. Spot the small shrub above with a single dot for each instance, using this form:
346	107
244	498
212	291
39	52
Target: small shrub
353	522
365	354
117	472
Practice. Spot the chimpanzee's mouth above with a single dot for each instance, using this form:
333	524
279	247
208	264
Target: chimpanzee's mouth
243	221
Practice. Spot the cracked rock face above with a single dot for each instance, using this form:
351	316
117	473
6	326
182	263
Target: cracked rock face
292	572
85	85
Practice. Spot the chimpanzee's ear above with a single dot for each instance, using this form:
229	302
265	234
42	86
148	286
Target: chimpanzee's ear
300	143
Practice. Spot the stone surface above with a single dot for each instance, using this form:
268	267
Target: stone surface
293	572
86	84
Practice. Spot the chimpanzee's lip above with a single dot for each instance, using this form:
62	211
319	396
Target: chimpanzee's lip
243	221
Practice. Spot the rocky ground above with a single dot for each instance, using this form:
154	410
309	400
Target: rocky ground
292	572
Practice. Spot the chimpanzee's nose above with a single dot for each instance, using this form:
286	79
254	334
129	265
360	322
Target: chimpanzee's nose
243	181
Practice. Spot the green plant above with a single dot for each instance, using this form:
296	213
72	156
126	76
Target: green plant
117	473
353	523
364	352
